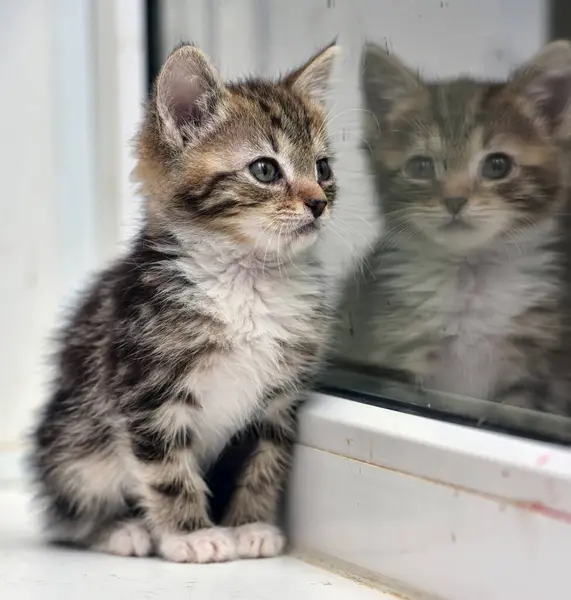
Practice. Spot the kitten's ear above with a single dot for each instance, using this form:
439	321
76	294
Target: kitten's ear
386	81
187	93
313	77
544	85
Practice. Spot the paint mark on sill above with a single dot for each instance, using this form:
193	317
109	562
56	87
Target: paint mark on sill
546	511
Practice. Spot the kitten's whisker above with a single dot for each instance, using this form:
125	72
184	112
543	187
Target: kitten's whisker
271	225
278	252
264	230
295	265
353	230
353	253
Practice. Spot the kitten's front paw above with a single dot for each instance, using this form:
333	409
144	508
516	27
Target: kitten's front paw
259	540
204	546
129	539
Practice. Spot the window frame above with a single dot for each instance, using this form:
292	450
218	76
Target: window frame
411	502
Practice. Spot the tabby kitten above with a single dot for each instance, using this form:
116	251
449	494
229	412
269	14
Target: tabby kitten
214	322
468	282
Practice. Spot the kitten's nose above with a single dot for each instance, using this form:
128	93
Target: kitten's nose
316	206
455	204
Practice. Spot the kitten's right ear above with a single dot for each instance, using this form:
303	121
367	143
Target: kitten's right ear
544	85
386	81
188	90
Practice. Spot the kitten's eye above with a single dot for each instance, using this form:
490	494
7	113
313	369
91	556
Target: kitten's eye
324	172
420	167
265	170
496	166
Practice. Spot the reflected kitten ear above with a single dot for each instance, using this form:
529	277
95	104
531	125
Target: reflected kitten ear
386	81
188	91
313	77
544	83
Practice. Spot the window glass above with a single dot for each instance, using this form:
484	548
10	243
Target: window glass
448	255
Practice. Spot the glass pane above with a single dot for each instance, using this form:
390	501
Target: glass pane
447	254
459	309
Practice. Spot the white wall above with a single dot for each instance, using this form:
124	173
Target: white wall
29	243
61	211
479	37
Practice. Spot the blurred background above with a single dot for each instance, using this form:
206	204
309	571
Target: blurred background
75	75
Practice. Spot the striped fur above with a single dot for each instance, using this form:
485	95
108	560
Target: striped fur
472	302
212	324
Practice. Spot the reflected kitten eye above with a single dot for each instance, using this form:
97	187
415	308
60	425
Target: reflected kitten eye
324	172
265	170
420	167
496	166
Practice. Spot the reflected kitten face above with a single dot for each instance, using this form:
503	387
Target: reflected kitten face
248	161
466	162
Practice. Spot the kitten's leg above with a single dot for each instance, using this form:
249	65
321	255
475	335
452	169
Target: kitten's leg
84	504
126	538
528	360
254	505
174	497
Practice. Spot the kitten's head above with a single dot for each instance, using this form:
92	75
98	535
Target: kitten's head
465	162
248	161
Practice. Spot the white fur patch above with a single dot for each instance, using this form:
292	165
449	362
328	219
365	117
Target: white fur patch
129	539
262	306
203	546
259	540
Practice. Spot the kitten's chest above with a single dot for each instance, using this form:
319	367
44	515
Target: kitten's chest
461	314
479	306
474	302
263	320
468	299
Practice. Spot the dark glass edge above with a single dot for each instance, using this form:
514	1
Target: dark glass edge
153	27
327	386
434	414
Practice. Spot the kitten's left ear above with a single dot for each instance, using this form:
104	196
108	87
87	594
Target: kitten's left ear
313	77
188	94
544	84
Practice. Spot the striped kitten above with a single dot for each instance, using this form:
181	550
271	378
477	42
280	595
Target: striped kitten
214	323
469	280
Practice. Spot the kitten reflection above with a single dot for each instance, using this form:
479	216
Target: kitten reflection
467	283
464	162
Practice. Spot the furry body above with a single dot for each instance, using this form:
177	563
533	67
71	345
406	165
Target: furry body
212	325
469	301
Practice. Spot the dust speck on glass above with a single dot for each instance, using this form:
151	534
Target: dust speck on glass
449	254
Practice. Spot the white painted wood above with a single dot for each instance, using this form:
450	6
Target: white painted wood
30	570
507	467
75	101
435	538
455	512
120	51
74	85
46	225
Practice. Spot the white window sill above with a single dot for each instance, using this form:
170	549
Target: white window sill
417	503
29	570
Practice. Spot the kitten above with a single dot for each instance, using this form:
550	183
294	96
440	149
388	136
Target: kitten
214	322
469	280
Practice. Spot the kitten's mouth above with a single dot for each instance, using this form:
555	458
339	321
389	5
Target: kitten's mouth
306	228
456	224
